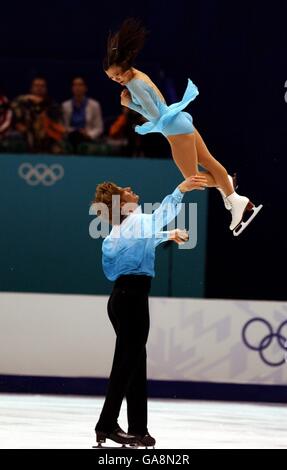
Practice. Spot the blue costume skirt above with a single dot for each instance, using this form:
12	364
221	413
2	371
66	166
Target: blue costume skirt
173	120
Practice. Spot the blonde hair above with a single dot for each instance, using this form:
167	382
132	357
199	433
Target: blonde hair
104	194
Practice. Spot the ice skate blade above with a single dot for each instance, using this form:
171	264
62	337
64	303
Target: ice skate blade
137	445
99	446
242	225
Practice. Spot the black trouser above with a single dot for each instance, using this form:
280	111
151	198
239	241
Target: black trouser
128	311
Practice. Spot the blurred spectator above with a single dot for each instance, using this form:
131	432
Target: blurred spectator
82	115
122	130
5	115
38	119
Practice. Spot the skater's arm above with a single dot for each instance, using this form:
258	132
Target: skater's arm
149	225
161	237
135	107
179	236
171	204
146	105
167	211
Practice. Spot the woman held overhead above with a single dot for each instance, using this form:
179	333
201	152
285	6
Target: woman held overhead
187	146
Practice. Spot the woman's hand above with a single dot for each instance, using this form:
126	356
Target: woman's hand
125	97
179	236
193	182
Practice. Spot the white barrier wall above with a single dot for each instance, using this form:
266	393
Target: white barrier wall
190	339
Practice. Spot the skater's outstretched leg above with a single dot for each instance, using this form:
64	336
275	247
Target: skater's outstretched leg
207	161
237	204
184	154
189	150
219	173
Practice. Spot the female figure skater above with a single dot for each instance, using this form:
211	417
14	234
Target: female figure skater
187	146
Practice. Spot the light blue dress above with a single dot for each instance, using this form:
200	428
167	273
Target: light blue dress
169	120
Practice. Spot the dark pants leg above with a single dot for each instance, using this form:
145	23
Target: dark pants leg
129	313
137	399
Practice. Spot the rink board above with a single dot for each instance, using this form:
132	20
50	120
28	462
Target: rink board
191	340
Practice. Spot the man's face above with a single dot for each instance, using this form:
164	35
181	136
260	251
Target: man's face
79	87
39	88
115	73
129	197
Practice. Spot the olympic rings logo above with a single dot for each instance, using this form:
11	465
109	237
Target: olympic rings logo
267	340
41	173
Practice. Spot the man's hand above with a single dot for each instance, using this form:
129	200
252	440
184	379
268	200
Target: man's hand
125	97
193	182
179	236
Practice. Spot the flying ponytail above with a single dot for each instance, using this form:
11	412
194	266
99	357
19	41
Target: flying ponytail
124	45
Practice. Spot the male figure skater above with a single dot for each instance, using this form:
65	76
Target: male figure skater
128	255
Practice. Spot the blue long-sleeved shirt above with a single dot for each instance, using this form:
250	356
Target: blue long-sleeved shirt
130	246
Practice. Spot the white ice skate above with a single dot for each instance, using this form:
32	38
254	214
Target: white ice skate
240	206
233	181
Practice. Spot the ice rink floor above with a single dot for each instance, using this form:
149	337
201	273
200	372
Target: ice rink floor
49	422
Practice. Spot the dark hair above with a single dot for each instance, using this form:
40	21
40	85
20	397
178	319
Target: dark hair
124	45
38	77
79	78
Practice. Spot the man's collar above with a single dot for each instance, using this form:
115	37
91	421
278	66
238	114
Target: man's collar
116	228
138	210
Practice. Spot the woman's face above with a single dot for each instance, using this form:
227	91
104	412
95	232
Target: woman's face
116	73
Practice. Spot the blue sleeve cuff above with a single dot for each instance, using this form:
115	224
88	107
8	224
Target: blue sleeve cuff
164	235
161	237
177	195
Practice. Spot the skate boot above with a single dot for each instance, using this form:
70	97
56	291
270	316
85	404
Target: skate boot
241	205
117	435
233	181
144	441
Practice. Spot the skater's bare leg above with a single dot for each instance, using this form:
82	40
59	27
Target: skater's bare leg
189	150
184	153
212	165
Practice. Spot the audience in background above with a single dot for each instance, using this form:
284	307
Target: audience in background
82	115
122	130
34	122
37	117
5	115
